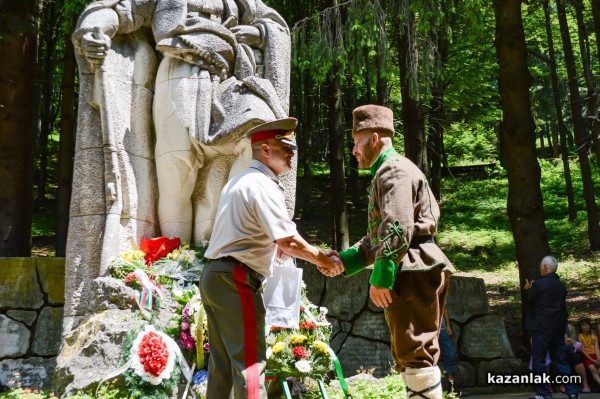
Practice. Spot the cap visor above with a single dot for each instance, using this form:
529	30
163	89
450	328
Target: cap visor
292	145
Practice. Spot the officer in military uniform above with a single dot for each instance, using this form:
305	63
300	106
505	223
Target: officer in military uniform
252	223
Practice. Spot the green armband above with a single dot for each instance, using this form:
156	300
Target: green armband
384	273
352	261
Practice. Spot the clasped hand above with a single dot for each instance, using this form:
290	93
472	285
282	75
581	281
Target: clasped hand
333	264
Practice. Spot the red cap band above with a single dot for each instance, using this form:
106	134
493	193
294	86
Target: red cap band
266	135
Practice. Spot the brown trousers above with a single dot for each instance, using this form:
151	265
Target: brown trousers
414	317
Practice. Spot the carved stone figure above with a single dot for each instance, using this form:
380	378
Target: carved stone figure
168	89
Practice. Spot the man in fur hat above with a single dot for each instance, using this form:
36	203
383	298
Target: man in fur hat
410	272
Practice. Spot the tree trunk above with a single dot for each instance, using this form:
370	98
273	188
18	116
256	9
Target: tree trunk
596	15
340	235
581	139
436	114
307	132
412	108
517	129
592	95
383	91
66	148
18	53
562	129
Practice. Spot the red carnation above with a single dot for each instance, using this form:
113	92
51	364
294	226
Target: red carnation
299	351
153	353
157	248
307	325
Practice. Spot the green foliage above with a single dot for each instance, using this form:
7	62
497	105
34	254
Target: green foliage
473	142
475	231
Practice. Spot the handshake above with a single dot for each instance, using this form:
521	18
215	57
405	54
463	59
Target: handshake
331	264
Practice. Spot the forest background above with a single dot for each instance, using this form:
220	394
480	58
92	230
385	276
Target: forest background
496	102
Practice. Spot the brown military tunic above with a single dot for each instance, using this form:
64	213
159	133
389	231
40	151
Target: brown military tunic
402	220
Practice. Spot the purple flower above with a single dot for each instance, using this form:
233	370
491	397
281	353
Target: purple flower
185	325
206	347
187	341
186	310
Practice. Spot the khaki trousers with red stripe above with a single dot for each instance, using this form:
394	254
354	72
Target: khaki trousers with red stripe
414	317
232	297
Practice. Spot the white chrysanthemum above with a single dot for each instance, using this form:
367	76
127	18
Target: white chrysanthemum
269	352
303	366
270	339
193	329
138	367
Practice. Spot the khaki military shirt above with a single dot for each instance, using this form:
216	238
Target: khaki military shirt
401	207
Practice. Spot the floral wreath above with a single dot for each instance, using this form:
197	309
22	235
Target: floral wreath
153	360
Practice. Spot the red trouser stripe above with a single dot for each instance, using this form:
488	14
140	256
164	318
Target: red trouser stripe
252	379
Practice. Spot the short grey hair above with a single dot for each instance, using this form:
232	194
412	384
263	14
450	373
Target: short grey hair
550	262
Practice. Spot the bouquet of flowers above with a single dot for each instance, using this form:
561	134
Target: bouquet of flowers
157	262
302	352
189	324
153	365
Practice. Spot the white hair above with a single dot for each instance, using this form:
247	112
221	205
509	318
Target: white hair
550	262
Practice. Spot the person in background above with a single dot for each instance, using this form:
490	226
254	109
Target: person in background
252	224
591	353
547	322
448	356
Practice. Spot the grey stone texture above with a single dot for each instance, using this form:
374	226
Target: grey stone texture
30	320
24	316
33	372
94	347
485	338
14	338
48	329
19	275
467	298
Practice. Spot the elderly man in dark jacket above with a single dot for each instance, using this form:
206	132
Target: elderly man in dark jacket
546	322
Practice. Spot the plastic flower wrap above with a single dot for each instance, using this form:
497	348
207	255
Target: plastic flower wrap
158	248
302	352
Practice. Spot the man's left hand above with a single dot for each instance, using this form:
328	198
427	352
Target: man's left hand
381	297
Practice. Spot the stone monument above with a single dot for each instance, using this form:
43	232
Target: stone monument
168	89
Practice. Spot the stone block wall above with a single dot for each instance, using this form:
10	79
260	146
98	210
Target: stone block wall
31	315
361	337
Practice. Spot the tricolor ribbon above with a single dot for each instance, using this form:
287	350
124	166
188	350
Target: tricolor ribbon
144	299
